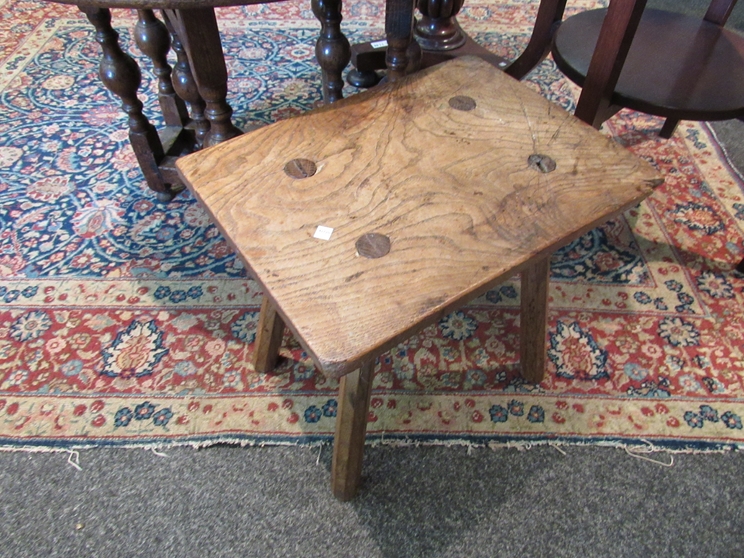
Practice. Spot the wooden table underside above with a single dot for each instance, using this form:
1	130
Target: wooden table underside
469	175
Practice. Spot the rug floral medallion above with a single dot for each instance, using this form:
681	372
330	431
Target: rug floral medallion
125	321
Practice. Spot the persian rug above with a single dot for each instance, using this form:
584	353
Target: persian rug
127	322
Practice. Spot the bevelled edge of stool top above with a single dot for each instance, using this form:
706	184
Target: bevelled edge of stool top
501	186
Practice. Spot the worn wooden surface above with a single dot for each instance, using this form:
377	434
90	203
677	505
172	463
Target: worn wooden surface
452	190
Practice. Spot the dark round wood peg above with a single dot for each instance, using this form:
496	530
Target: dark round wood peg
300	168
373	245
462	102
541	163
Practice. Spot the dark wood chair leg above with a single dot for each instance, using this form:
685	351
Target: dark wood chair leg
351	428
670	125
268	337
740	267
607	62
534	320
549	16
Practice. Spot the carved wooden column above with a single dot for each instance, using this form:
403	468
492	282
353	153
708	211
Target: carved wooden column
332	49
198	32
153	40
121	75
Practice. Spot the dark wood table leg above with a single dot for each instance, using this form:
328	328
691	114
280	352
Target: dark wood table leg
121	75
534	320
198	32
332	49
442	38
399	34
153	39
351	427
268	337
186	88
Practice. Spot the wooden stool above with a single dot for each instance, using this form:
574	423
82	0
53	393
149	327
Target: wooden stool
368	220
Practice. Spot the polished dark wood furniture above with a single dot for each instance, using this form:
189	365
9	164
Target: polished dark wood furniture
679	67
192	94
653	61
436	188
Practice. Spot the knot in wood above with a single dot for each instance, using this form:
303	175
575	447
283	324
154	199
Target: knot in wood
373	245
462	102
300	168
541	163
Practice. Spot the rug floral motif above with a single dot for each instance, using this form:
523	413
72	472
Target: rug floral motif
124	321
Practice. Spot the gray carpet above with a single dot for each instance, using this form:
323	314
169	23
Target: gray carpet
426	501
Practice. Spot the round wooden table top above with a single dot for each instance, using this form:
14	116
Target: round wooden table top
678	66
161	4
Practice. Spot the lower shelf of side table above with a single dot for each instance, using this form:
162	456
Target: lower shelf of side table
678	66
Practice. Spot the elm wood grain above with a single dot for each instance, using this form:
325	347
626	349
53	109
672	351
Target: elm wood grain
534	320
268	337
355	390
451	189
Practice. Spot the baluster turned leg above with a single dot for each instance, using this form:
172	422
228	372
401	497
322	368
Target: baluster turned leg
332	49
185	86
198	32
153	39
399	33
121	75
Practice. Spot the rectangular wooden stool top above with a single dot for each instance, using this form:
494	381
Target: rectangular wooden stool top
436	188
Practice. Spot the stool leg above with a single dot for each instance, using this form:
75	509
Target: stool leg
351	427
534	320
268	337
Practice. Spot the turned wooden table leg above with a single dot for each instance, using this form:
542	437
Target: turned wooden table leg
332	49
534	320
198	32
268	337
399	34
153	39
121	75
185	84
351	427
